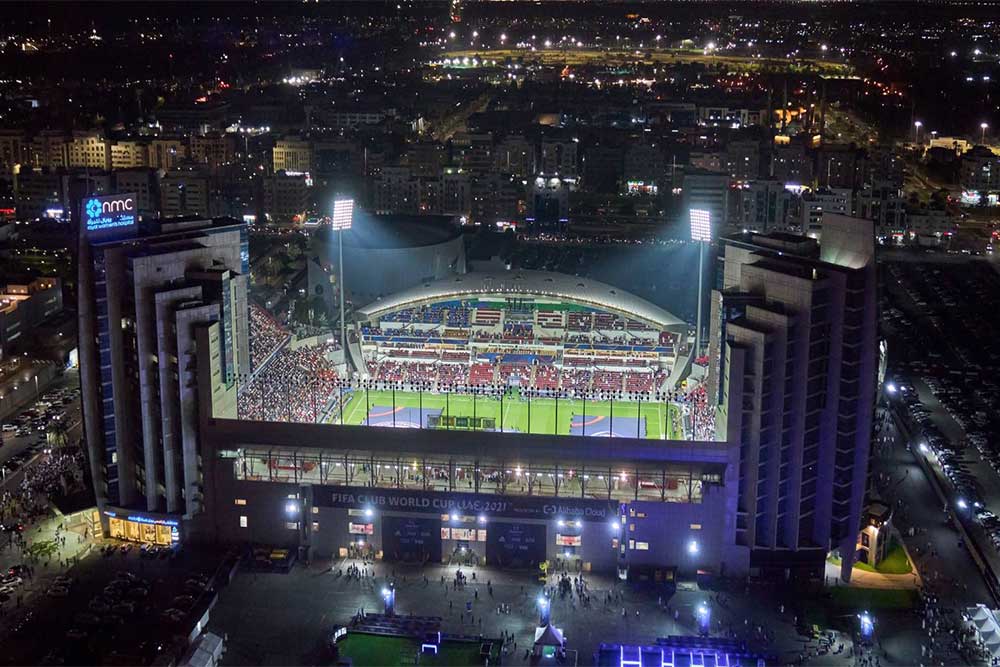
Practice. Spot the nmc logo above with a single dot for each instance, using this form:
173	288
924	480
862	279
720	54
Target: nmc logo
109	211
105	206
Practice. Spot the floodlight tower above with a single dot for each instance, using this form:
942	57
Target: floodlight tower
701	233
343	217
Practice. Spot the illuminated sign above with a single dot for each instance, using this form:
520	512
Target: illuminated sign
109	212
145	519
467	534
361	528
343	214
568	540
641	188
701	225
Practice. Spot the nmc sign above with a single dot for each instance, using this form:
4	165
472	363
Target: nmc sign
106	212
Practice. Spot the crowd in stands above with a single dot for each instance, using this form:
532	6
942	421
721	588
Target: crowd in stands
701	415
265	335
296	386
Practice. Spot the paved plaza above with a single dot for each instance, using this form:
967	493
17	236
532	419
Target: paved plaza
274	619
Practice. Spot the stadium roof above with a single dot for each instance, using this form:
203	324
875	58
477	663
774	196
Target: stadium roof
573	289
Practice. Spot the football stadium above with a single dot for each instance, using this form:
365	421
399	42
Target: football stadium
511	418
520	352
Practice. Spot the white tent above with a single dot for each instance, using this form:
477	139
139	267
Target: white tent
549	635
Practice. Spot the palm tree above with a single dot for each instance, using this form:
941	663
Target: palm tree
58	434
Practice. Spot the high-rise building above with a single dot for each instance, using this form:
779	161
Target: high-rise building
88	150
163	329
184	191
765	206
819	203
286	196
292	154
793	360
707	191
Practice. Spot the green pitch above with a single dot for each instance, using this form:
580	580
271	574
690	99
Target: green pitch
539	416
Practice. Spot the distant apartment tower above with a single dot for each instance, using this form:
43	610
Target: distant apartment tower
793	340
153	301
764	206
292	154
286	196
707	191
823	201
183	192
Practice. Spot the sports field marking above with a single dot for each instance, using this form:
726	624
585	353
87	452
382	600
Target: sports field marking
595	420
386	413
355	402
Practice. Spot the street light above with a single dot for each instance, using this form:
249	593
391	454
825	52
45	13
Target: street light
693	547
701	233
916	131
867	623
343	216
389	598
544	610
704	614
983	127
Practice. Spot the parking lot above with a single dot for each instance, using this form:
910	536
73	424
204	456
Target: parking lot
121	604
941	321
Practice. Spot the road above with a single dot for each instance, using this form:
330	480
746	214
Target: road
624	56
11	446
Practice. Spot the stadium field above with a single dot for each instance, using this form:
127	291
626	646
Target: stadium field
656	421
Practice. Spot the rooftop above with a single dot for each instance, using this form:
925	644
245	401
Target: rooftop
529	283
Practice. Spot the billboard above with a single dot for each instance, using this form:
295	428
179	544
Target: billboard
104	213
411	539
437	502
515	545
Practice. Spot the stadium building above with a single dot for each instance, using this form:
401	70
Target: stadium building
384	254
545	417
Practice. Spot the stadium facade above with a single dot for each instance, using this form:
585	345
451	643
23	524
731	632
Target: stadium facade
384	254
646	501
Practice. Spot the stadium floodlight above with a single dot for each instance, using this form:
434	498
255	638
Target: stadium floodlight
343	218
343	214
701	225
701	233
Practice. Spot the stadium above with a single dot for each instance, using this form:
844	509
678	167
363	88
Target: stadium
520	352
511	418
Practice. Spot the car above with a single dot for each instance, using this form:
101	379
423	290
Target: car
57	592
18	570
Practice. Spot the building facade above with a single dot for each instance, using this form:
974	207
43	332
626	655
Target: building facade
793	359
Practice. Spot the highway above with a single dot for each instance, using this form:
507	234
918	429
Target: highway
614	56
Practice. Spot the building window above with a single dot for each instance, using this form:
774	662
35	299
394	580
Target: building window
240	501
315	510
292	525
695	526
243	521
315	526
642	546
865	541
